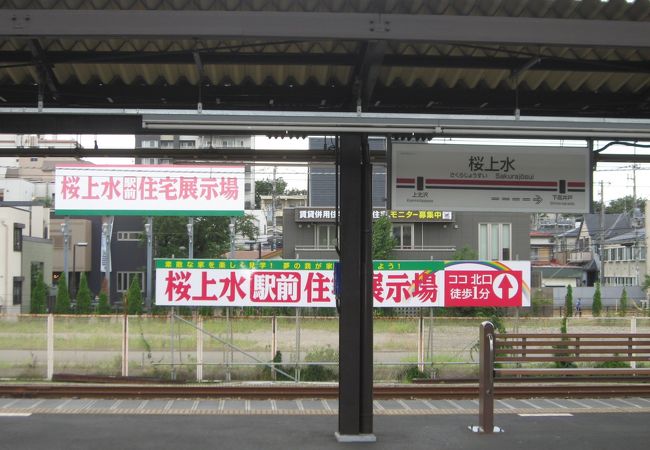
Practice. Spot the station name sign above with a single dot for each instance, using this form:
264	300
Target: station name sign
329	215
300	283
170	190
496	178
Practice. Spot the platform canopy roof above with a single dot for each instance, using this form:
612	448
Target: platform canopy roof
584	59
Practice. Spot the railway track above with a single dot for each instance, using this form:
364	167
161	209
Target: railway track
290	391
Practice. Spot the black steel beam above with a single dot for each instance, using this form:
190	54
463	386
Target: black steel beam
44	67
70	124
355	324
216	57
195	154
385	99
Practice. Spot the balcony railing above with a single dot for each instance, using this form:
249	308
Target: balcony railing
580	257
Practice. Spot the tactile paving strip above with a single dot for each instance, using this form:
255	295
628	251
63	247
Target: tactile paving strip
310	407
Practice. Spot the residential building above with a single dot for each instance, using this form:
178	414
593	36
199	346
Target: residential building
25	249
594	231
310	233
282	202
79	252
541	247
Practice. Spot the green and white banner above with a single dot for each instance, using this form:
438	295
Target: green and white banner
298	283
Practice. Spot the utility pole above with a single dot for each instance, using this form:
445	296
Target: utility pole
602	232
273	220
148	228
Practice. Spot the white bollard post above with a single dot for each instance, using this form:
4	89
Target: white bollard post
199	348
125	346
50	346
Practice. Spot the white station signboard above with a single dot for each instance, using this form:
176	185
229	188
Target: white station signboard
490	178
168	190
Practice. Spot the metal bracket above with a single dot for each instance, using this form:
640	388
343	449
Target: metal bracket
20	22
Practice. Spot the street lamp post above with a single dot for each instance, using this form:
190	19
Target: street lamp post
231	227
190	237
65	230
74	267
148	228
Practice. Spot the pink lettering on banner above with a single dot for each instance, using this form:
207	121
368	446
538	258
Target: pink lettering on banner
209	188
70	187
232	287
188	188
398	287
378	286
275	287
229	188
178	286
111	188
149	189
317	288
129	188
425	287
90	191
206	282
167	188
483	288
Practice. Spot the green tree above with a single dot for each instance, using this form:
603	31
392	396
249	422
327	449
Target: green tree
265	187
624	204
211	237
103	307
134	297
622	303
84	296
568	302
246	226
383	240
465	253
62	305
597	305
294	191
38	304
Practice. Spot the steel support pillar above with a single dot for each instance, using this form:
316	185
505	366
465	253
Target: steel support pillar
355	327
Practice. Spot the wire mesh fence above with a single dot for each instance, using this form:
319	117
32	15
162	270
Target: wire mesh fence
262	348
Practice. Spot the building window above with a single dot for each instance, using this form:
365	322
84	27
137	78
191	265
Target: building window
129	235
18	290
166	144
325	237
494	241
403	234
124	280
187	144
18	237
149	144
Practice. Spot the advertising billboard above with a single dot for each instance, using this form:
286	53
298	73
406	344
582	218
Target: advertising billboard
160	190
298	283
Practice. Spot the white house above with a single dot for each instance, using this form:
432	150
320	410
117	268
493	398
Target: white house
24	249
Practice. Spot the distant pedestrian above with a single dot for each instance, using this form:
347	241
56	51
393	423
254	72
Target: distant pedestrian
578	309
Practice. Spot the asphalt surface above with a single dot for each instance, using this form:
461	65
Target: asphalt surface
540	430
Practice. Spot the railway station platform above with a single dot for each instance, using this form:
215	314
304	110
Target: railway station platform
162	424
